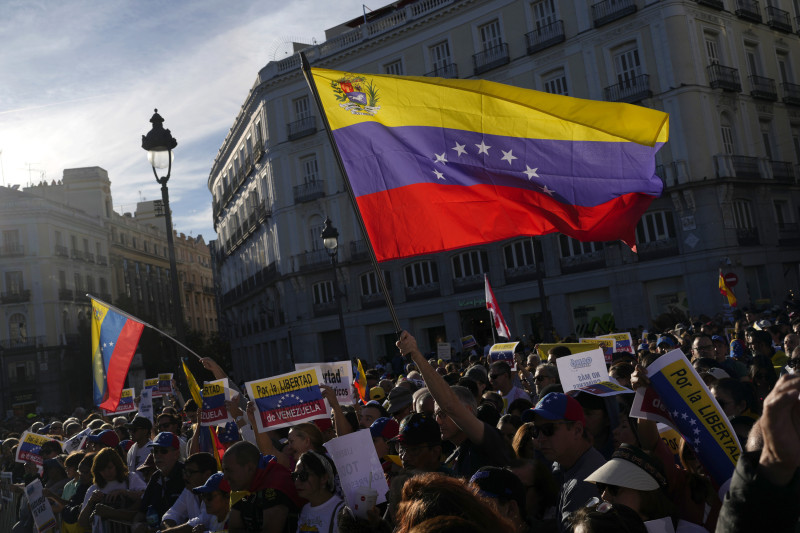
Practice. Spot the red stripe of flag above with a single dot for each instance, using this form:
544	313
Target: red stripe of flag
120	361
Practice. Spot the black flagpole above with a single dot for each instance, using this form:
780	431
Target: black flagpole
378	273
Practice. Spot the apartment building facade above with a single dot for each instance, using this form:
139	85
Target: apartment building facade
724	70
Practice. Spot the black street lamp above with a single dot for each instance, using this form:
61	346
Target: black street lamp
159	144
330	239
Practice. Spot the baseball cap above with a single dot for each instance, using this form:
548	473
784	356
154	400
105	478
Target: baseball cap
418	428
125	444
384	427
165	439
399	398
631	468
477	374
499	484
140	422
719	338
215	482
718	373
108	438
377	393
762	324
556	406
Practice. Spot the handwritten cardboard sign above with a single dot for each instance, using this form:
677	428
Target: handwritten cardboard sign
338	376
582	369
358	465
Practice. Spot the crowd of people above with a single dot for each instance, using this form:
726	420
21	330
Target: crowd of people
467	445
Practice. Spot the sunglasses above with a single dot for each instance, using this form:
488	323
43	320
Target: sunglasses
302	475
600	506
548	429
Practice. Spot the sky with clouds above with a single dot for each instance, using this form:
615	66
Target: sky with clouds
80	80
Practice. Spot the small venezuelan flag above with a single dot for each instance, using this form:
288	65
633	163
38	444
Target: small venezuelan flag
114	340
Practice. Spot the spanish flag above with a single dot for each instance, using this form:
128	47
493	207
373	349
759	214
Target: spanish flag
726	290
115	336
417	151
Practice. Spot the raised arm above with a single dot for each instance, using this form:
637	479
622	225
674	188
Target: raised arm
443	395
340	422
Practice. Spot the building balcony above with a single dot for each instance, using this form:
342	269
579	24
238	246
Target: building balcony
89	258
102	260
23	342
76	254
778	19
188	286
448	71
15	297
738	166
747	236
782	171
673	173
420	292
359	250
308	192
748	10
545	37
468	283
521	274
791	93
583	262
301	128
658	249
493	57
12	249
725	78
713	4
630	91
763	88
61	251
370	301
313	259
325	308
611	10
66	295
789	234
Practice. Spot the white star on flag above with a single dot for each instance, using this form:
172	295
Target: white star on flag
547	191
531	172
693	421
439	175
441	158
508	156
482	148
685	416
696	431
459	148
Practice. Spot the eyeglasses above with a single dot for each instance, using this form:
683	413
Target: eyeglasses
411	450
161	451
548	429
300	475
600	506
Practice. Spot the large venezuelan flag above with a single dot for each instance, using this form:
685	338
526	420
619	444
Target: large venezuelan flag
440	164
114	341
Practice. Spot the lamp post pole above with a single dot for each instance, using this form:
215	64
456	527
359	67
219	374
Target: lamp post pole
159	144
330	239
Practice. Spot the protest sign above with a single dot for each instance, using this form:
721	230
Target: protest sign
574	347
443	350
165	383
607	345
582	369
30	448
503	352
75	442
146	404
358	465
686	405
622	341
605	388
125	404
152	384
6	480
672	439
287	399
338	376
40	507
468	342
213	411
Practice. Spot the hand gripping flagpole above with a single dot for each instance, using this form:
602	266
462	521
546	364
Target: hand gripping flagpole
142	322
378	274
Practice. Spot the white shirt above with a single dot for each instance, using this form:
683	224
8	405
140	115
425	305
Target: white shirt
137	456
514	394
208	521
319	518
185	507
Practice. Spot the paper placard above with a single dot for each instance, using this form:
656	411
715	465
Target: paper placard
287	399
468	342
30	448
75	442
40	507
6	480
338	376
607	345
165	383
213	411
503	352
357	462
152	384
574	347
443	351
606	388
583	369
125	404
622	341
146	404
